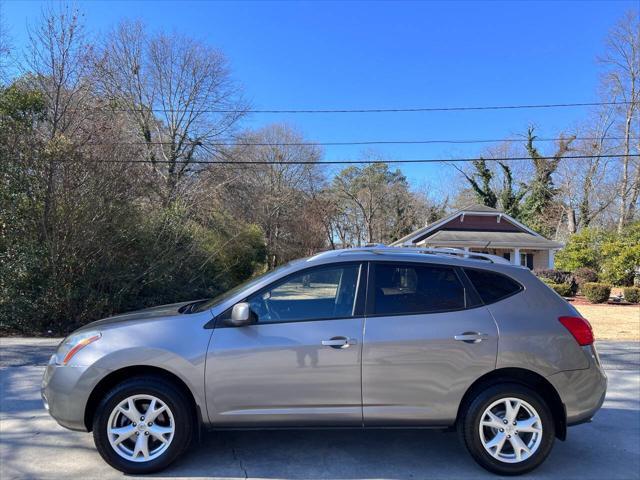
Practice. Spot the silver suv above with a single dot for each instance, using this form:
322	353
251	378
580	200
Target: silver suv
362	338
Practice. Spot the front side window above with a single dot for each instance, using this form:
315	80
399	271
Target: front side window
410	289
323	293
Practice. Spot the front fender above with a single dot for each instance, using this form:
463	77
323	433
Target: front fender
177	345
191	374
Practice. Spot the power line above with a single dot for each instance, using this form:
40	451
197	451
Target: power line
374	110
440	109
339	162
231	143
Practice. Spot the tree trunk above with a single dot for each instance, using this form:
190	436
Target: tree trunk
571	220
635	194
624	193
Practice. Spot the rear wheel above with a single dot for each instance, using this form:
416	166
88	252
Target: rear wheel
142	425
508	429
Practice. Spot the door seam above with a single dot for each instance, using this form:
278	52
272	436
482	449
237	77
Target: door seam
206	362
495	322
364	329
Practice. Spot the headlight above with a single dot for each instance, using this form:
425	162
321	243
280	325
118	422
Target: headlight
73	344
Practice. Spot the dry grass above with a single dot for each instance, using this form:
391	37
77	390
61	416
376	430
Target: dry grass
613	322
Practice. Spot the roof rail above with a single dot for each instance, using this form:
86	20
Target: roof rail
429	250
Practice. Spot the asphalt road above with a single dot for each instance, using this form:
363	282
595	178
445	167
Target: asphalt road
32	445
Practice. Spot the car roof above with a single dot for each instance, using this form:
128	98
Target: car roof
448	256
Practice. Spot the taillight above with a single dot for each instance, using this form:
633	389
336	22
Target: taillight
580	328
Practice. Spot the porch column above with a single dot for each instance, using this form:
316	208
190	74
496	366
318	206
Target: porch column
552	254
516	256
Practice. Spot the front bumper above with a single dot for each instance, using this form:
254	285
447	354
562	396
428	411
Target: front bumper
582	391
65	391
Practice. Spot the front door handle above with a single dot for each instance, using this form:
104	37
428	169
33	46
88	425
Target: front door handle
339	342
471	337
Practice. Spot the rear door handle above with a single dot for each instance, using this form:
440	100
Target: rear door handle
339	342
471	337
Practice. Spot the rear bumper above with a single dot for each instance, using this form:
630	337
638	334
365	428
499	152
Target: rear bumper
64	393
582	391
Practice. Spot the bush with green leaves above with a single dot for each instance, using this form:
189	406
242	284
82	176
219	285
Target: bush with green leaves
157	258
631	294
612	255
562	289
596	292
621	255
581	250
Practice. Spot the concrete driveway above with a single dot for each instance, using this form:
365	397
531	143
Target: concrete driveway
32	445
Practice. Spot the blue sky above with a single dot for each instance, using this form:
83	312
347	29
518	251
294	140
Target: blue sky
292	55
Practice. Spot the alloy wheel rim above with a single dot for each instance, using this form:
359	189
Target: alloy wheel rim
141	428
510	430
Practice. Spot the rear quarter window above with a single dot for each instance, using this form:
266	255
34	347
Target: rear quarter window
492	286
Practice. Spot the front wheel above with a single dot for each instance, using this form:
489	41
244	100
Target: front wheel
508	429
142	425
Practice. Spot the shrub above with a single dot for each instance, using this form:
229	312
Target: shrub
555	276
596	292
582	250
612	255
585	275
562	289
154	258
631	294
621	255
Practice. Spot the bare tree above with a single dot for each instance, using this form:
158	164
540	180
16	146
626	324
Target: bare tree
5	48
621	81
276	192
55	65
588	189
178	92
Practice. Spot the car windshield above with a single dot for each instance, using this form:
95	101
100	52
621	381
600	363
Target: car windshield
208	304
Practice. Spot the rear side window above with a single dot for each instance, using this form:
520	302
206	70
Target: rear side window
405	289
492	286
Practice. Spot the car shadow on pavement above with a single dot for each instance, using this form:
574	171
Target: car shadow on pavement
322	454
399	454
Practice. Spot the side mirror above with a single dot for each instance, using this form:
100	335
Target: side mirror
241	315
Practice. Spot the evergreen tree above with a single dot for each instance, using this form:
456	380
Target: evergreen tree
480	182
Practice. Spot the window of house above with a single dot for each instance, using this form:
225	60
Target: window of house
526	259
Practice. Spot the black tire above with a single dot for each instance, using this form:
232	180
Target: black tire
170	395
468	428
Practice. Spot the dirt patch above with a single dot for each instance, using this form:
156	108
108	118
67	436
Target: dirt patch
612	322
